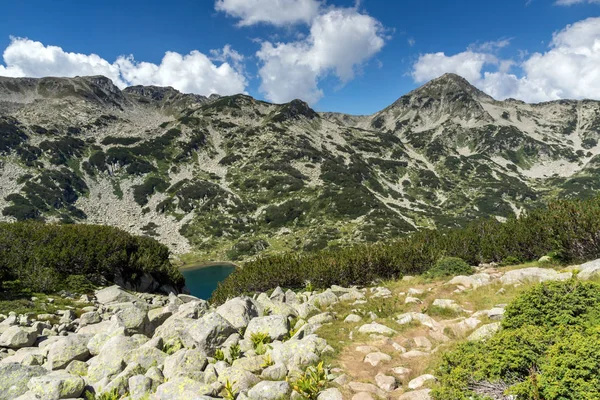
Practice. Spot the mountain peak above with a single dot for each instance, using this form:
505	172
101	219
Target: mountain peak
452	84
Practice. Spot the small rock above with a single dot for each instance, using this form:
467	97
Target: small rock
418	382
374	327
386	382
416	395
330	394
412	300
485	332
375	358
353	318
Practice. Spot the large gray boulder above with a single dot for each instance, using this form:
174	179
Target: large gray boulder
485	332
533	275
14	378
276	326
210	332
57	385
269	390
70	348
589	270
114	294
183	388
295	354
324	299
240	379
139	386
238	311
176	330
16	337
185	363
146	356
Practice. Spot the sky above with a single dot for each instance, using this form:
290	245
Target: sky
352	56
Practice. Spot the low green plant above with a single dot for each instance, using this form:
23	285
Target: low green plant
219	355
258	338
311	382
229	393
235	352
172	347
261	348
112	395
268	361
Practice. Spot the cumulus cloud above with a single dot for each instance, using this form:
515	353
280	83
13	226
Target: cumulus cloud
340	41
191	73
274	12
569	69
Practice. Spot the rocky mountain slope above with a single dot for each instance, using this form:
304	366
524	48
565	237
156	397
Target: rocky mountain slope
230	177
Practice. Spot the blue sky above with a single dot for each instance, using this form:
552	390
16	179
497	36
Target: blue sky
376	65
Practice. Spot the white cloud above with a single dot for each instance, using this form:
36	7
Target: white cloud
569	69
572	2
275	12
411	42
340	41
24	57
191	73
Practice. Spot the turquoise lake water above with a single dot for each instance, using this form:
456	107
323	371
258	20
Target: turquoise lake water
202	281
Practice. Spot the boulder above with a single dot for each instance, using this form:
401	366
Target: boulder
276	372
68	349
485	332
420	381
183	388
386	382
238	311
589	270
376	358
16	337
376	328
89	318
57	385
114	294
139	387
353	318
14	378
324	299
270	390
473	281
296	354
240	379
423	394
533	275
210	332
330	394
134	319
186	363
146	356
276	326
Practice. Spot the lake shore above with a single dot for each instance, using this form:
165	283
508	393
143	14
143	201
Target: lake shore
200	265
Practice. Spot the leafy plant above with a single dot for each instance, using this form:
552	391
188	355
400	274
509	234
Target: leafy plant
172	347
449	266
260	338
235	352
268	361
229	392
311	382
219	355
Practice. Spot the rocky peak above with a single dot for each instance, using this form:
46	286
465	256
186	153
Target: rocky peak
295	109
162	93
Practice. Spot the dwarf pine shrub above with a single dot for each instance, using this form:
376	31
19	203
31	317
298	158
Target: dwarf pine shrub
548	348
568	228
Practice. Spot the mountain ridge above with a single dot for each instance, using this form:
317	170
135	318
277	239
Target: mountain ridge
232	176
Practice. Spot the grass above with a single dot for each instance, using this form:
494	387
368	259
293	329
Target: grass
337	334
20	302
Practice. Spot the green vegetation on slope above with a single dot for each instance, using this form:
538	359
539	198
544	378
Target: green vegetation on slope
42	257
548	349
570	229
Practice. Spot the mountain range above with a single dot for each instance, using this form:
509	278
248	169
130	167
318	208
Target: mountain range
231	177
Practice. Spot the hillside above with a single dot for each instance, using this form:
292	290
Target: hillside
230	177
